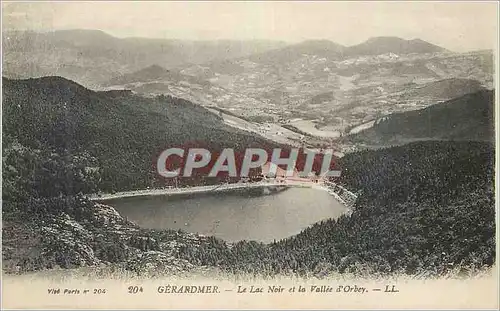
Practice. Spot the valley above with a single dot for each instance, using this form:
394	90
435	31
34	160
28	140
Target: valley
314	92
324	95
76	127
311	93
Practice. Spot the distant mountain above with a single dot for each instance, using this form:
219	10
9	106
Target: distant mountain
469	118
334	51
93	57
319	48
151	74
382	45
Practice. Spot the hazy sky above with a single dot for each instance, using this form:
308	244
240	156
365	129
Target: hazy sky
459	26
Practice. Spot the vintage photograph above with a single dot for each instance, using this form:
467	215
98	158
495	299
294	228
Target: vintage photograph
276	151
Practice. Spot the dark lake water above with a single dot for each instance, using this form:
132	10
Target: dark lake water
233	216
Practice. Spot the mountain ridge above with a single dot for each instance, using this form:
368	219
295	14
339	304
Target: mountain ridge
396	45
290	53
124	133
102	56
469	118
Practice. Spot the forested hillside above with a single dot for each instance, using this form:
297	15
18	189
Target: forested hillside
469	117
117	137
426	208
62	141
447	89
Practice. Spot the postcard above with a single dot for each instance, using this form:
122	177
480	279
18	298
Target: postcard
249	155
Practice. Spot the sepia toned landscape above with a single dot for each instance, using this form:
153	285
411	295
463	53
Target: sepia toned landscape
85	114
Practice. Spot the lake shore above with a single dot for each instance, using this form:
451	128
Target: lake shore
190	190
222	188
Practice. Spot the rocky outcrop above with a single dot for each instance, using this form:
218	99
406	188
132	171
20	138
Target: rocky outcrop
103	237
